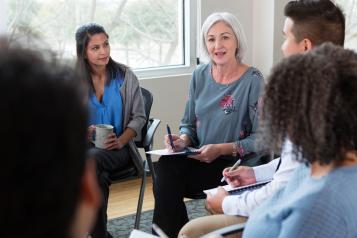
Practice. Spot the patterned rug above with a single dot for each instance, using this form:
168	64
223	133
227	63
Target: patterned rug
121	227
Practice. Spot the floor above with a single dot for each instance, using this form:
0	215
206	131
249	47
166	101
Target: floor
123	198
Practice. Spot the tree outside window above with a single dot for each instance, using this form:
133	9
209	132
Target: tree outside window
142	33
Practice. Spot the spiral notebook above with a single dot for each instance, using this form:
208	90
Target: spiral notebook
238	190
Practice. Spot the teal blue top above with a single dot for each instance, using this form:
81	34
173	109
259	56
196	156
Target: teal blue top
109	110
309	207
223	113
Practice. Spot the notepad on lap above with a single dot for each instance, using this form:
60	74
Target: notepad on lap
187	151
238	190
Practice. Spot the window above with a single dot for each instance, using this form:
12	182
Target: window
143	34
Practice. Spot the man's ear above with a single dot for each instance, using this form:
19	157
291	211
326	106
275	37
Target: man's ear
90	192
88	202
307	44
351	157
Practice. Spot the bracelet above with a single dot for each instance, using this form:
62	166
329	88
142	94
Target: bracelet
234	149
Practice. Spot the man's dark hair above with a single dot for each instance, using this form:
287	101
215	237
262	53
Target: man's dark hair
311	99
318	20
43	144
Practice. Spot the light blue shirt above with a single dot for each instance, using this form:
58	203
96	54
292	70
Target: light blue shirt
109	110
309	207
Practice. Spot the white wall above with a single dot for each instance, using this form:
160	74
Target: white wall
257	18
242	9
263	34
279	19
170	94
350	10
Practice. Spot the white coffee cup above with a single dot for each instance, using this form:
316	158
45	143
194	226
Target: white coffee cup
101	133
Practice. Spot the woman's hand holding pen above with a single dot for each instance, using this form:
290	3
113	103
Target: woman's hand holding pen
207	153
243	175
179	144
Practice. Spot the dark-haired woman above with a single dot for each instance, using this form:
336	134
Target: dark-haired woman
114	98
311	98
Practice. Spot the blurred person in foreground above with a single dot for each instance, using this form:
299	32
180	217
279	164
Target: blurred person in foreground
49	189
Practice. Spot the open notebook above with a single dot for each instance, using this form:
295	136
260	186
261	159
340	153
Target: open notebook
238	190
187	151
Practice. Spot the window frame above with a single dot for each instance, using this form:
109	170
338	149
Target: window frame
189	26
189	47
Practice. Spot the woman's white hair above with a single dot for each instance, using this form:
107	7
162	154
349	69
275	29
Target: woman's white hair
233	23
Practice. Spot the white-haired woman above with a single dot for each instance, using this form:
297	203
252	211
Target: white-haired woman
220	120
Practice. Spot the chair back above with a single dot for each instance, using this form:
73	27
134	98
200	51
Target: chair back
148	100
146	143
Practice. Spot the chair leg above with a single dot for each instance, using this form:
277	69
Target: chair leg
140	200
151	167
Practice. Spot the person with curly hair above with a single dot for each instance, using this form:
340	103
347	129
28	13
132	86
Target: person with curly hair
311	99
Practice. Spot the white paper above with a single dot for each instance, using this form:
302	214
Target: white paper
140	234
167	152
164	152
228	187
213	191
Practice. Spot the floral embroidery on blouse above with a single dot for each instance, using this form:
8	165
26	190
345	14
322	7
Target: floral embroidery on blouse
227	104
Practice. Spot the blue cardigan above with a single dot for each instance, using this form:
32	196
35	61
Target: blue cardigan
309	207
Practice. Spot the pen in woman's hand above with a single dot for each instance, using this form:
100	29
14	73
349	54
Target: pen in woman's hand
170	137
236	164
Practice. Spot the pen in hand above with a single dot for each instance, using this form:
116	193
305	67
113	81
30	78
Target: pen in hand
170	137
236	164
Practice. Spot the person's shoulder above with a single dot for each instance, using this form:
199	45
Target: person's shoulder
200	74
255	74
334	188
126	71
128	74
340	177
202	68
254	78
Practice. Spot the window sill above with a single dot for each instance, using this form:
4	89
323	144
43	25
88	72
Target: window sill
164	71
